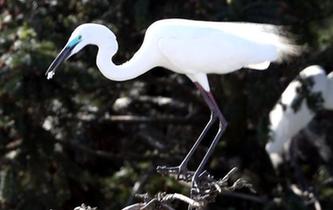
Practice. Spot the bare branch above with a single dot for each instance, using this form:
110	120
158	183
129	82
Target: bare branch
142	119
137	206
87	150
138	185
156	204
162	202
177	196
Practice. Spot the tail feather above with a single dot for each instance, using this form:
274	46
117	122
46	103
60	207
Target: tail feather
266	33
283	41
287	49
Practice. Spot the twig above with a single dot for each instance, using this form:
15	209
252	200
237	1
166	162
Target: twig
97	153
87	150
156	204
177	196
151	140
137	206
162	200
139	184
143	119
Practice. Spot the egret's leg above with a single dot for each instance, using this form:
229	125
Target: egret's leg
182	170
222	126
211	121
211	104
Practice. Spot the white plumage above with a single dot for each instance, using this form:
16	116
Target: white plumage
193	48
285	122
189	47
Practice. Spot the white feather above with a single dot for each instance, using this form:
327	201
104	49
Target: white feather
285	122
194	48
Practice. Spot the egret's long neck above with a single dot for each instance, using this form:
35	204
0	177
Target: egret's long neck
139	64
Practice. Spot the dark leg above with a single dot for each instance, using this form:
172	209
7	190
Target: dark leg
181	170
207	96
195	189
198	141
222	126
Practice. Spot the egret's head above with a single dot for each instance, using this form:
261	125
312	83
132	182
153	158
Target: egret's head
85	34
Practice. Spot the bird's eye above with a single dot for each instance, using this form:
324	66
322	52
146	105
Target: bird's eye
79	37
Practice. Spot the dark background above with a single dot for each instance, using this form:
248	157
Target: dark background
82	138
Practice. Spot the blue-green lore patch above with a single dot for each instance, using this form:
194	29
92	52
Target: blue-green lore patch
74	41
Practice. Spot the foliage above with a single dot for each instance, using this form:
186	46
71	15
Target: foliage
81	138
313	100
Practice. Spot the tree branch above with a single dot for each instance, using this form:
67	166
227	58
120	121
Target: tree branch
183	198
143	119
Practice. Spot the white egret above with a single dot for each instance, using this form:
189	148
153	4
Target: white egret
193	48
286	120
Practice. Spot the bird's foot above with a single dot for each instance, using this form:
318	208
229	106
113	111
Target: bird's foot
206	188
181	173
202	186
